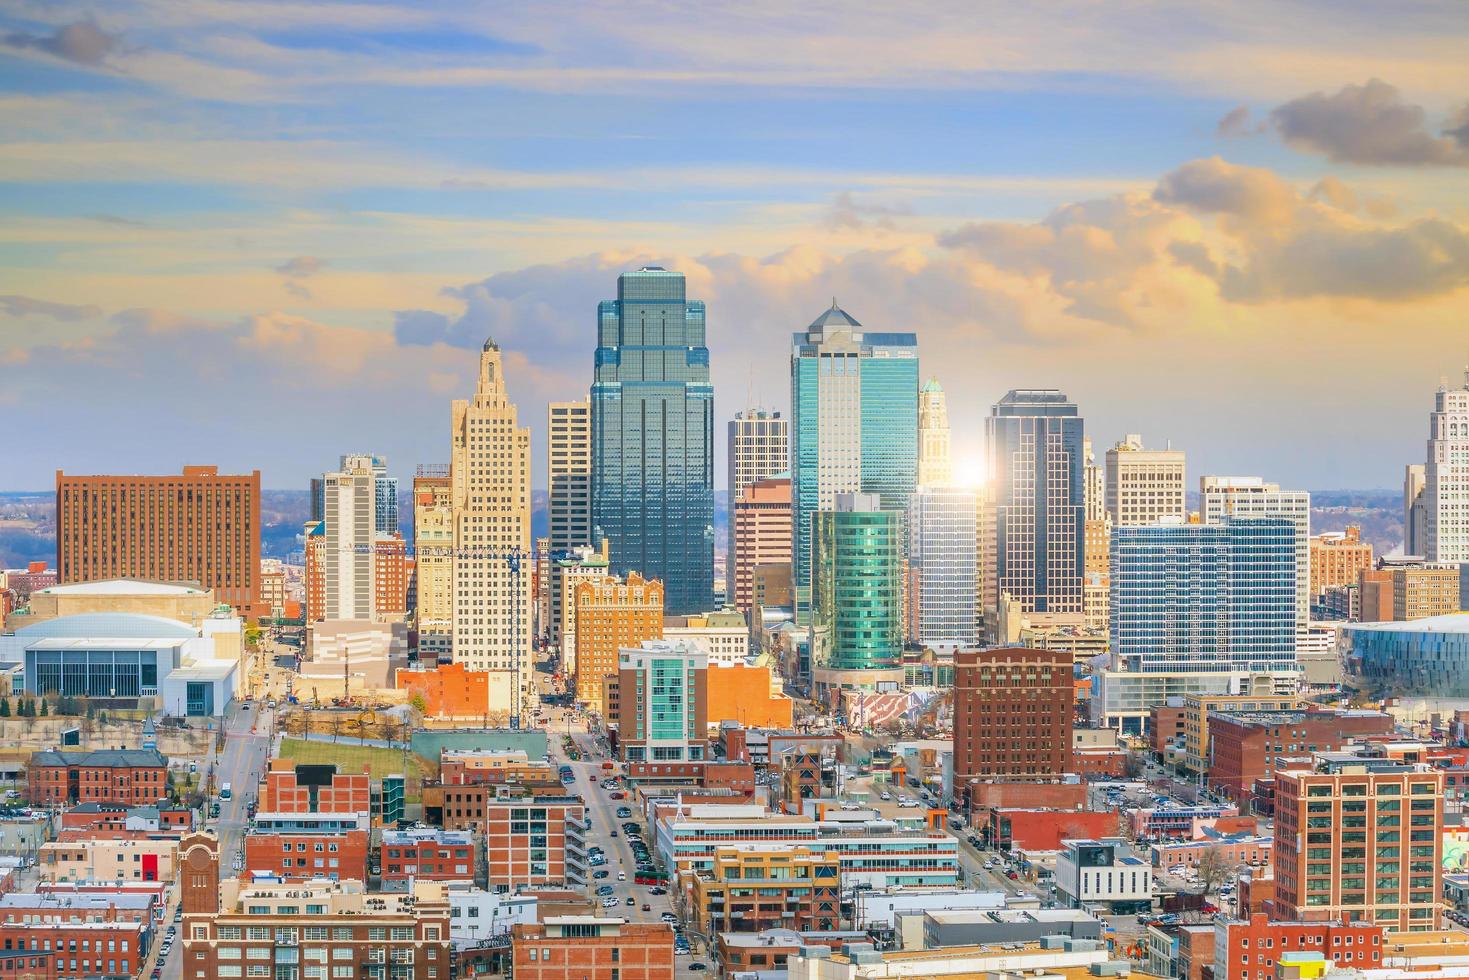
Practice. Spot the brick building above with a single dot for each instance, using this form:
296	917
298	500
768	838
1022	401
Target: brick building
760	532
1250	746
129	776
448	690
992	794
610	615
389	578
746	696
1251	948
197	527
752	887
583	947
1166	727
429	855
56	950
288	787
1338	558
734	778
532	840
336	855
1012	714
315	573
1044	830
229	925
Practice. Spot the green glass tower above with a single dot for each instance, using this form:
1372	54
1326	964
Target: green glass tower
857	599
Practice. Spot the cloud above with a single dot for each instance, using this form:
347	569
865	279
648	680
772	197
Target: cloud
27	306
1370	124
1236	122
117	220
82	42
301	267
1253	194
849	214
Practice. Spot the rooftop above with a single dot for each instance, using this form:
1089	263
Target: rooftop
102	758
1451	623
121	586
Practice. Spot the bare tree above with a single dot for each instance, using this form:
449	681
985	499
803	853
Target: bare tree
1213	870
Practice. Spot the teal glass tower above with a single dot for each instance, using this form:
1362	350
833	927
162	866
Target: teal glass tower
857	594
854	424
653	438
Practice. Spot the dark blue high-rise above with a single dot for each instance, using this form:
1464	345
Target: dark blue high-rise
653	437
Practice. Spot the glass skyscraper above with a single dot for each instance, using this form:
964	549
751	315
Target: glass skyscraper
854	423
1037	465
653	437
858	609
1205	597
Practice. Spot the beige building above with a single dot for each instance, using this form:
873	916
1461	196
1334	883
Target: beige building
583	565
107	859
272	590
1143	485
569	508
433	548
1338	558
723	635
1196	711
490	473
935	462
1428	590
760	522
353	654
611	615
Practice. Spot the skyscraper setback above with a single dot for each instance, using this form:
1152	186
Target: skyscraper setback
854	423
1446	476
490	477
652	437
935	465
1037	467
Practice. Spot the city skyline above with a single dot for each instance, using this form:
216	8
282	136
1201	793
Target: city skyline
208	210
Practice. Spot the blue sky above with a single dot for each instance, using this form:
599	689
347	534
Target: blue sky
1198	219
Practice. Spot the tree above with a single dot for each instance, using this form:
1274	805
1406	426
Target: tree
4	707
1213	870
44	710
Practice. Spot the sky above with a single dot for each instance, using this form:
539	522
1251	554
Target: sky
264	234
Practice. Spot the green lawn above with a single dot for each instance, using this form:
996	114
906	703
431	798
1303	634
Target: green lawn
351	758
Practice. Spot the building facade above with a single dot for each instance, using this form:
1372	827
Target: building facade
1420	657
752	887
1144	486
530	841
1247	747
199	527
758	449
1415	510
1446	476
663	702
611	615
935	462
433	556
653	437
569	503
301	855
1225	497
943	565
135	777
854	424
349	515
1338	558
760	534
1037	468
856	605
1012	715
582	947
490	473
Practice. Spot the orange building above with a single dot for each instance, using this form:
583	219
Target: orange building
198	527
389	578
611	615
762	534
291	788
315	572
580	947
741	693
1338	558
450	691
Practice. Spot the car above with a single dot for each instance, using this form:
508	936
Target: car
609	903
614	835
657	890
850	806
600	874
631	900
668	917
605	890
623	813
1012	876
619	795
884	795
593	777
696	967
622	876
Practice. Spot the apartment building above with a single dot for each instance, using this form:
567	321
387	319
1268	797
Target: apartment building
760	534
428	855
584	947
301	855
754	886
134	777
609	615
662	712
1104	873
538	841
1251	949
1197	709
1012	714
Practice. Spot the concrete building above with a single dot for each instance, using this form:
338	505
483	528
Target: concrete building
944	928
1012	715
1103	874
1446	478
1072	959
854	426
1360	838
721	634
1144	486
490	472
611	615
760	534
1415	510
349	508
477	914
758	450
583	947
880	908
752	887
653	437
347	656
569	502
123	857
935	465
1338	558
1226	497
857	597
663	702
1248	746
433	554
200	527
943	566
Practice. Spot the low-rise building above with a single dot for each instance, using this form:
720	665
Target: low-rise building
1249	949
477	914
975	927
751	887
1246	746
29	907
290	787
65	950
879	908
108	859
535	841
128	776
304	854
1103	874
431	855
1231	851
1070	959
584	947
1043	830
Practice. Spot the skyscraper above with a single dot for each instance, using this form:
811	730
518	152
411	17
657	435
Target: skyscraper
935	467
1250	496
652	437
760	523
857	601
1037	466
759	448
349	518
1143	485
943	565
854	423
385	491
433	549
569	510
1415	510
490	476
1446	476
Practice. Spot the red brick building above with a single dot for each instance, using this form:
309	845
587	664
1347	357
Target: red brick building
338	855
1013	711
134	777
1166	727
529	840
987	796
736	778
390	575
1251	947
198	527
1099	762
315	574
115	816
1248	746
576	947
72	949
292	788
1044	830
427	855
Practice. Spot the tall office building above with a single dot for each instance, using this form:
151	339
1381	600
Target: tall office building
609	615
349	518
385	491
652	437
760	521
490	476
197	527
943	565
433	550
569	510
857	597
1415	510
1250	496
759	448
1143	485
1012	715
1037	464
1097	541
854	424
1446	476
1205	597
935	465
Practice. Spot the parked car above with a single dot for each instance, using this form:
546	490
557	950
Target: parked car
647	907
696	967
631	901
601	874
